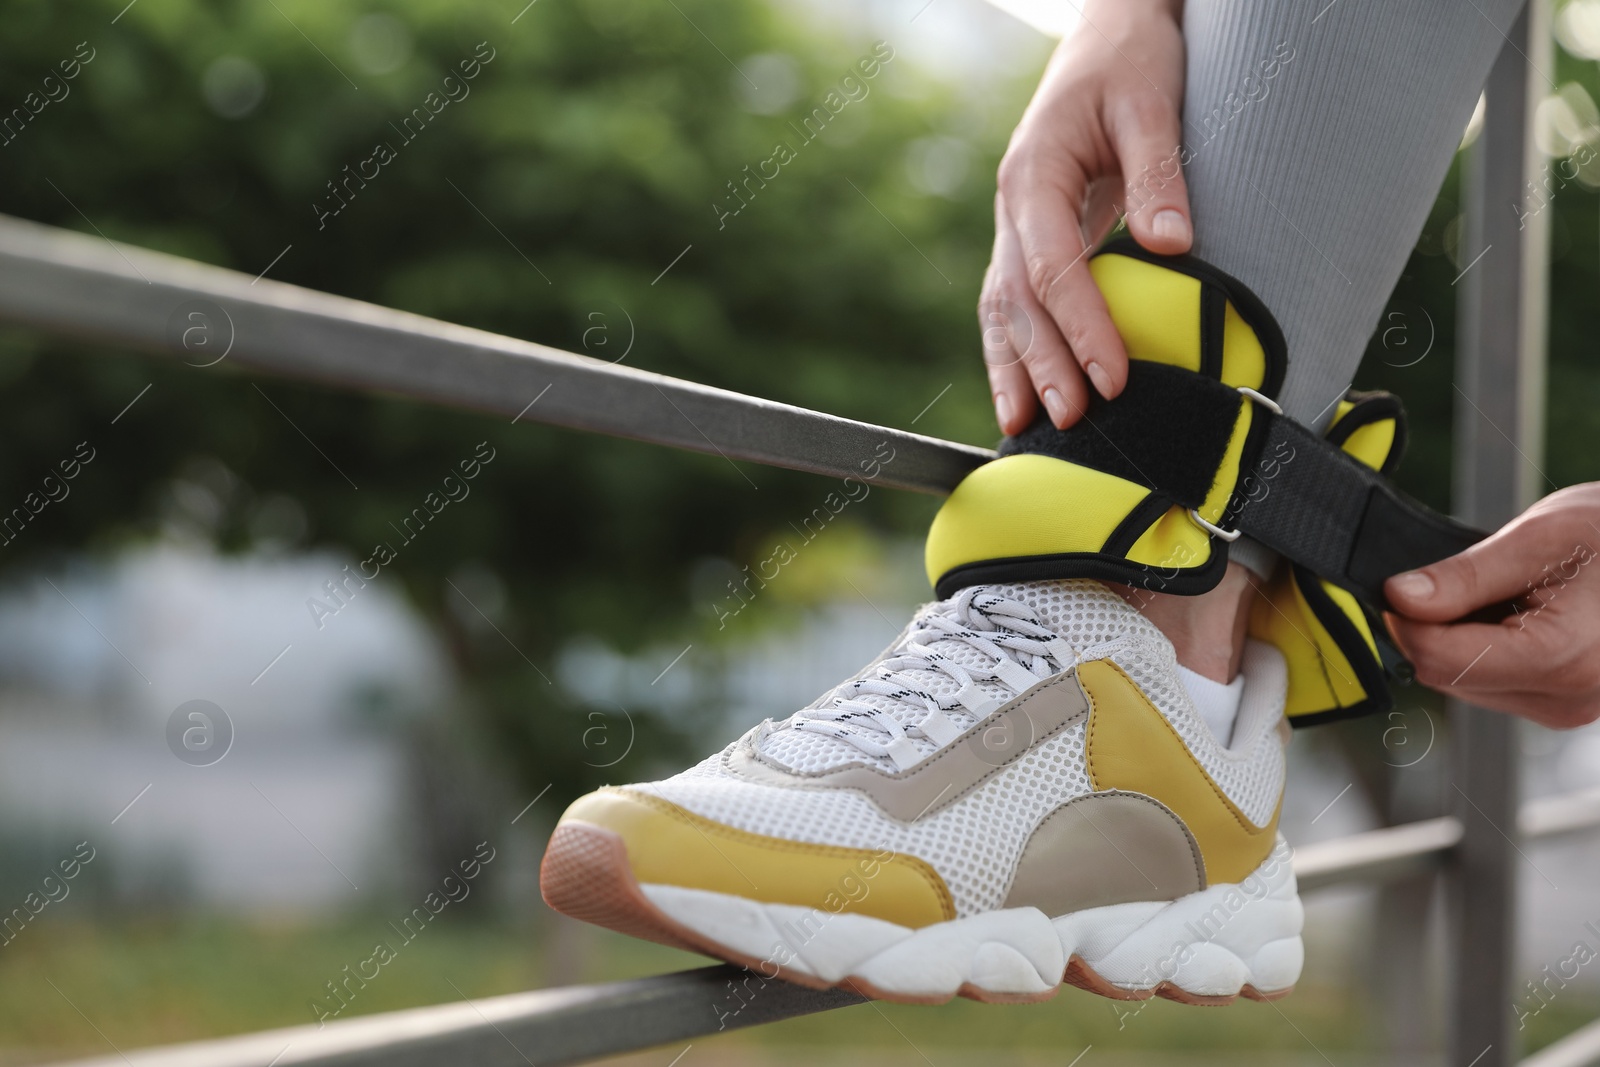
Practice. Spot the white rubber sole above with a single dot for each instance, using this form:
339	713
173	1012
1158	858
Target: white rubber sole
1205	948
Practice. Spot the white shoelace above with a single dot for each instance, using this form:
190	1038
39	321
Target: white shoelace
1008	631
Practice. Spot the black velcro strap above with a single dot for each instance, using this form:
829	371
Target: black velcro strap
1168	430
1299	494
1340	519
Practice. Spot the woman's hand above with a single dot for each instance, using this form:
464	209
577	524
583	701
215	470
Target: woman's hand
1543	661
1101	137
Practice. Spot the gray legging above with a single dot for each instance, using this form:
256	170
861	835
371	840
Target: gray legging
1311	177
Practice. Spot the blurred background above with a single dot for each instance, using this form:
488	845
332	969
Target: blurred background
257	766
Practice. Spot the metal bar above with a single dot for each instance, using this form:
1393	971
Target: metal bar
1581	1048
562	1026
1553	817
1481	888
1377	855
1546	820
72	285
1549	818
1498	422
1399	851
548	1028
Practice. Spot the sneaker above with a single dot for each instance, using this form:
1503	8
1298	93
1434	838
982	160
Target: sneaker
1016	794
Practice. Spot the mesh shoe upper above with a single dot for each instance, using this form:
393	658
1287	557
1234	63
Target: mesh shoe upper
974	843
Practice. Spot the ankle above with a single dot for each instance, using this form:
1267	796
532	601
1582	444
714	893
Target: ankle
1207	631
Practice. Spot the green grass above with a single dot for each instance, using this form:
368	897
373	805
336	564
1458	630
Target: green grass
152	982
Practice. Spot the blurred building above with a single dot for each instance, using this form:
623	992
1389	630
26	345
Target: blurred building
303	809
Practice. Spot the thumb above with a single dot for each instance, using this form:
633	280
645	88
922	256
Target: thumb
1502	567
1155	198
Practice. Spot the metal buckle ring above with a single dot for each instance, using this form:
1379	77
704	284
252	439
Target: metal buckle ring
1212	528
1261	398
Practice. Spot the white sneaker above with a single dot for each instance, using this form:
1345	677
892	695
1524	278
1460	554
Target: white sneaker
1017	793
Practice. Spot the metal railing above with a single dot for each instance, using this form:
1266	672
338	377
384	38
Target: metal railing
565	1026
1499	424
72	285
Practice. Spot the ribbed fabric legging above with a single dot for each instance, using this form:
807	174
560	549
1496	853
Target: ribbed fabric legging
1310	177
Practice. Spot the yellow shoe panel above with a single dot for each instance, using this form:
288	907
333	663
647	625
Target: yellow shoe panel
1132	747
668	845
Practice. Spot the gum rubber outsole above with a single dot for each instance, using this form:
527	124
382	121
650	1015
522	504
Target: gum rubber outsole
585	875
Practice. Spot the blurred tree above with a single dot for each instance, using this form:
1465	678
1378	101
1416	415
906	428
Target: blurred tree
597	144
543	197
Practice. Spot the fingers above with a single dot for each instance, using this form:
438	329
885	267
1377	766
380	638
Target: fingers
1477	655
1515	656
1043	199
1541	546
1529	671
1543	662
1145	134
1005	340
1022	349
1012	392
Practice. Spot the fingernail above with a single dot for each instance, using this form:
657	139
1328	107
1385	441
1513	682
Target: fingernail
1101	380
1414	584
1055	404
1170	224
1002	411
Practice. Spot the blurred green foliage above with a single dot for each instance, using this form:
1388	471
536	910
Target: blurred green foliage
543	202
546	204
154	982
